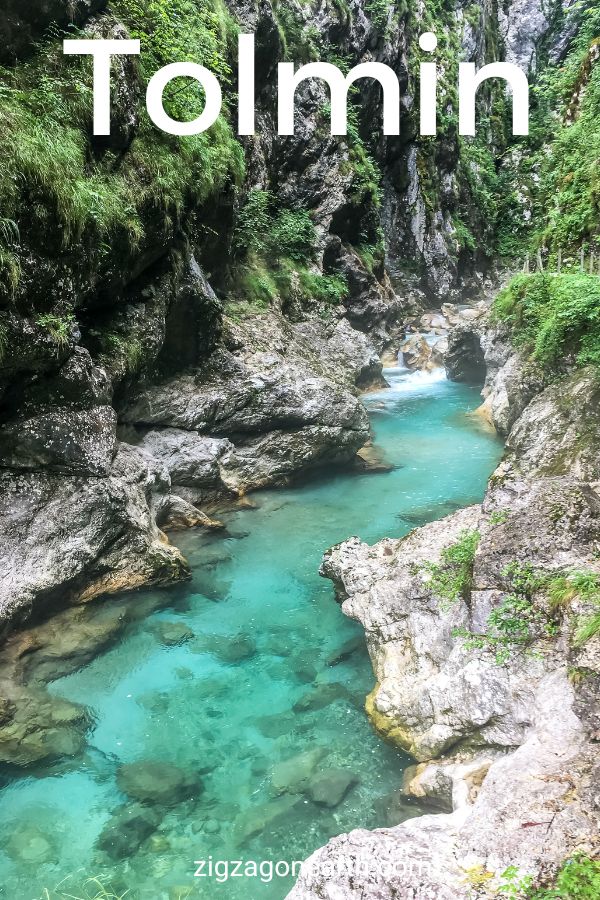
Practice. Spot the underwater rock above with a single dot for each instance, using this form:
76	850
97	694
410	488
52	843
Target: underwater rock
330	786
393	809
230	650
259	819
349	648
323	695
211	826
173	634
290	775
30	844
42	728
276	725
157	782
128	827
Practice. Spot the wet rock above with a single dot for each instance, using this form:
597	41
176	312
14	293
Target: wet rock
157	783
211	826
176	514
261	819
41	729
323	695
464	359
416	352
173	634
348	649
31	845
275	726
393	809
230	650
330	786
69	539
291	775
126	830
303	671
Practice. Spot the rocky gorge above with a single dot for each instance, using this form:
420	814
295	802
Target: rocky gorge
479	675
182	325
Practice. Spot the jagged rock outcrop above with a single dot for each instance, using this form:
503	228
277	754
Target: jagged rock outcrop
70	538
254	415
486	704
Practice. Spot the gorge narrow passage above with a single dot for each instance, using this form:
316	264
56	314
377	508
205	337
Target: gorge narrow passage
248	666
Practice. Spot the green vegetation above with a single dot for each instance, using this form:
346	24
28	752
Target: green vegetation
451	578
586	587
75	195
276	247
557	166
378	12
58	327
516	623
578	879
554	317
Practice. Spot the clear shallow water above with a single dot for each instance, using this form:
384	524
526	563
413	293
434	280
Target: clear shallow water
232	720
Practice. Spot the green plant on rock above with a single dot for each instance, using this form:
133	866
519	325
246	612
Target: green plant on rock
499	516
379	12
451	578
58	327
79	198
516	623
553	317
269	231
577	879
586	587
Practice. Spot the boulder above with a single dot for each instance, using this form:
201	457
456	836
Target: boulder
173	634
464	359
72	538
126	830
292	775
157	783
330	786
323	695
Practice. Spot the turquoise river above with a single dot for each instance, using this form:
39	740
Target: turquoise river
248	665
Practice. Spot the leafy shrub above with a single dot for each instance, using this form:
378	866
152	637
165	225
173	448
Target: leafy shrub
451	578
515	623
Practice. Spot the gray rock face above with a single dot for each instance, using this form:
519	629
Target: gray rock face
522	24
283	407
510	382
80	537
464	359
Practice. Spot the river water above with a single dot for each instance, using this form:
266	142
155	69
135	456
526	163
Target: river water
241	672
